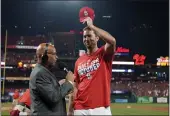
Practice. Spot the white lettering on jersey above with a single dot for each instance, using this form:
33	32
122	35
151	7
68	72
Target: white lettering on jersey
87	67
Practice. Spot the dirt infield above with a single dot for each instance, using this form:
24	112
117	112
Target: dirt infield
164	109
122	109
155	108
5	108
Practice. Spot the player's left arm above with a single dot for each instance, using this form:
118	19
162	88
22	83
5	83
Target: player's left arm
110	45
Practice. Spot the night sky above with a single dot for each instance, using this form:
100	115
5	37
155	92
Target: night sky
140	25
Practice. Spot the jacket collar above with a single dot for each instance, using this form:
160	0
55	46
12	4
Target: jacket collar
44	68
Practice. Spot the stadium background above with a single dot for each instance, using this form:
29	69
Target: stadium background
141	65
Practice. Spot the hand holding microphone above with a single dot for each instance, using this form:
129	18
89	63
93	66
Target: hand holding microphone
70	75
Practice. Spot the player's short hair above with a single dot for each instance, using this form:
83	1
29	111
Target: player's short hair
89	29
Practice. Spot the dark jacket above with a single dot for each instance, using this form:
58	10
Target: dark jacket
47	96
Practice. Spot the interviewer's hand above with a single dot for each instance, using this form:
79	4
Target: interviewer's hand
70	76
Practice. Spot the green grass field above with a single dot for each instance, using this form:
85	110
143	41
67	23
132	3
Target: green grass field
120	109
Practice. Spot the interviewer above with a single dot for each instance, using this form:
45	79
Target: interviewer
47	95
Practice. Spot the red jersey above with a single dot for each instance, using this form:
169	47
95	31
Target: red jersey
25	98
16	95
93	76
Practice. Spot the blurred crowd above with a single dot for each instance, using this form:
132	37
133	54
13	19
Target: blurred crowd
12	58
140	88
24	40
65	44
17	72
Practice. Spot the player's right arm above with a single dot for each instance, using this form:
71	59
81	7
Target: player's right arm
71	101
73	95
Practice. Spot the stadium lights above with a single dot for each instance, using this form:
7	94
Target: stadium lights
123	62
2	63
17	78
8	67
122	70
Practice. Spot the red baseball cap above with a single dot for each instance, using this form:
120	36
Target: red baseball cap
86	12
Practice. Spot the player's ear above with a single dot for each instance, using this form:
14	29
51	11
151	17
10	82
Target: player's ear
97	38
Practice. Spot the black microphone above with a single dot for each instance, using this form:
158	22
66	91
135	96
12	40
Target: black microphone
63	66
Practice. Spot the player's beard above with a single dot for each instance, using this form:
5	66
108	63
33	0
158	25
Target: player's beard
89	44
90	47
